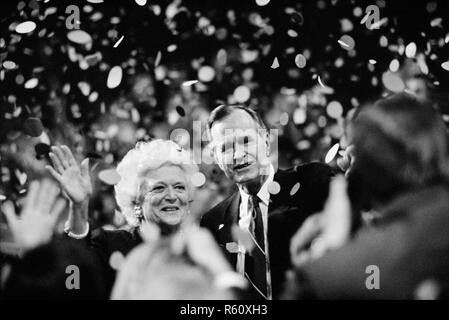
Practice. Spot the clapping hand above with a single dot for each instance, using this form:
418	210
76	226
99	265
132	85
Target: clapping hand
38	217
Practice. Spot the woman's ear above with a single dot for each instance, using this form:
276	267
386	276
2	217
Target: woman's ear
268	144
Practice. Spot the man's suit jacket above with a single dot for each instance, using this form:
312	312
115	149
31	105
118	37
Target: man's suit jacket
286	212
410	245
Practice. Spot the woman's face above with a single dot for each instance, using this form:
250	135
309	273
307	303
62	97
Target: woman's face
166	198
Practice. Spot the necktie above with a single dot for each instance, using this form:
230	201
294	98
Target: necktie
257	269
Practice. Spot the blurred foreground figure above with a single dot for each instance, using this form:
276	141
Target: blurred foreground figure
43	266
400	171
189	266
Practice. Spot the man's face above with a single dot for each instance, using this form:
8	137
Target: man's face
241	147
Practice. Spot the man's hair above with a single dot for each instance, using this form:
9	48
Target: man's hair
400	145
223	111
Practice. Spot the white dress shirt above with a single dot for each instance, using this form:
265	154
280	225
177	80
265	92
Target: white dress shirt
245	217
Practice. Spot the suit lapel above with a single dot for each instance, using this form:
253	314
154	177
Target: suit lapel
230	218
225	238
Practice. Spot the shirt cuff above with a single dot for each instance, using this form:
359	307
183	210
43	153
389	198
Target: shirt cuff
230	279
76	236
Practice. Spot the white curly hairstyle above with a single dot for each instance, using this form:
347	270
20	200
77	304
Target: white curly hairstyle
147	156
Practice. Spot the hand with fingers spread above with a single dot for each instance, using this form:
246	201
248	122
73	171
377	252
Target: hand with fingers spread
38	217
74	179
327	230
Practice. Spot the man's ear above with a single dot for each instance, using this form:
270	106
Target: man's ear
216	159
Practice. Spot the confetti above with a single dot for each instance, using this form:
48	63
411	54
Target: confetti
445	65
262	3
410	50
119	41
300	61
242	94
295	189
79	37
299	116
180	111
332	153
347	42
109	176
321	82
9	65
31	83
114	77
334	109
198	179
275	63
189	83
206	74
274	187
141	2
394	65
25	27
393	82
158	59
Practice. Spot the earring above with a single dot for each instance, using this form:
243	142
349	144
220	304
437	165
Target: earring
138	212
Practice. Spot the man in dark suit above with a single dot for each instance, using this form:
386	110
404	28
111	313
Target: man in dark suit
268	207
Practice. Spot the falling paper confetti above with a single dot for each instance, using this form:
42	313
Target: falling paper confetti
189	83
299	116
79	37
334	109
332	153
445	65
206	74
31	83
295	189
25	27
321	82
275	63
274	188
242	94
114	77
9	65
198	179
347	42
109	176
180	111
158	59
410	50
393	82
300	61
119	41
262	2
141	2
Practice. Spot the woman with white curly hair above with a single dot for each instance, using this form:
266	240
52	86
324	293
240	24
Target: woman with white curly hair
155	186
